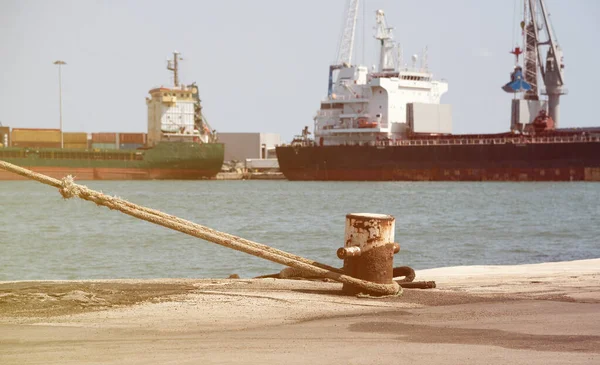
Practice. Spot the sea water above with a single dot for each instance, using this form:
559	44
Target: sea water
438	224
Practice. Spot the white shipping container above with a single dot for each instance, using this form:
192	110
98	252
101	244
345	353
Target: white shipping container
430	118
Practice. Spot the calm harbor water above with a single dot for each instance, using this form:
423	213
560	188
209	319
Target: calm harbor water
43	236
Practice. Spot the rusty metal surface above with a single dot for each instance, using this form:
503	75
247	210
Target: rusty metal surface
418	285
367	230
344	252
474	162
368	216
376	265
369	248
404	271
452	174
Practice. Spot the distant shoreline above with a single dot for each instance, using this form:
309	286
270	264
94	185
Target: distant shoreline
250	176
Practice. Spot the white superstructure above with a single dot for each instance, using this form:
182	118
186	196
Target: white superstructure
170	111
373	105
175	113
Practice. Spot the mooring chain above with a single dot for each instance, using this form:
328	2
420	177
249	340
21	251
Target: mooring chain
69	189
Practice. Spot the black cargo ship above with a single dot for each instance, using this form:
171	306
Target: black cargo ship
557	156
389	125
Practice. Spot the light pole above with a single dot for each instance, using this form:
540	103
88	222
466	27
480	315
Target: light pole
60	63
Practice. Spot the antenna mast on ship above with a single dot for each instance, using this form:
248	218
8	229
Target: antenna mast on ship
173	65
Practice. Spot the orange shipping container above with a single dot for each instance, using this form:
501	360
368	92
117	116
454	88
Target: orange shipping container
35	135
104	137
137	138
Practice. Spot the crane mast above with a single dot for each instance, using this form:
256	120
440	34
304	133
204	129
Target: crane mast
383	33
530	59
344	54
553	73
552	70
347	40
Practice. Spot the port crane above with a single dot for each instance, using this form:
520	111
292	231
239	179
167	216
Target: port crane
344	55
383	33
535	24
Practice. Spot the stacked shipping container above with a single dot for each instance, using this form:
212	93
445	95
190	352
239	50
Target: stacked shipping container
4	136
51	138
35	138
76	140
131	141
123	141
104	141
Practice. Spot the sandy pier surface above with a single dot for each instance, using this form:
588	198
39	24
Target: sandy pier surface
527	314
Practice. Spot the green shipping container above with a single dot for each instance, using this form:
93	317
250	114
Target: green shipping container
104	146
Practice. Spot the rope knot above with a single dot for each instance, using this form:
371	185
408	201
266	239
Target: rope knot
68	187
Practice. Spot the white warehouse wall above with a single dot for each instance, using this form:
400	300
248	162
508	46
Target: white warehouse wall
242	146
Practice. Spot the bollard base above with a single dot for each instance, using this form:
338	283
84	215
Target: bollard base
375	265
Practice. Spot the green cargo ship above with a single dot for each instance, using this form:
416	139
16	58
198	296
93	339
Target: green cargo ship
179	144
166	160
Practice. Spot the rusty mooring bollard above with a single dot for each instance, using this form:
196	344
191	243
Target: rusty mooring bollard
369	248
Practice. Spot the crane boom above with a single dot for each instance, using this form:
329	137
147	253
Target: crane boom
553	72
383	34
347	40
556	52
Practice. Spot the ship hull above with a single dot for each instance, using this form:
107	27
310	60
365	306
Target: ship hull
577	161
166	161
114	174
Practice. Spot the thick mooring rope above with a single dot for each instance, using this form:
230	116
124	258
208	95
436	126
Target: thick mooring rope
69	189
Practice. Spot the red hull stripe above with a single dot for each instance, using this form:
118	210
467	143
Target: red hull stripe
88	173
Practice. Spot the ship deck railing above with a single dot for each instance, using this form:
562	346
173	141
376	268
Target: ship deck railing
488	141
350	98
66	154
483	141
471	141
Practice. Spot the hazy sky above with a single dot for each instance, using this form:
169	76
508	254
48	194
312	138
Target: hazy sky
262	65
